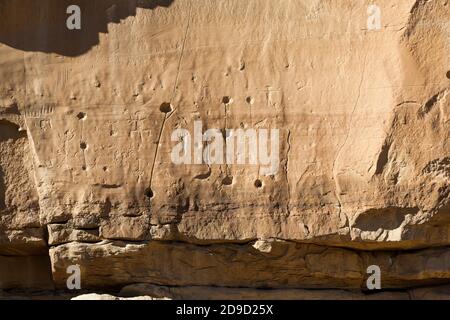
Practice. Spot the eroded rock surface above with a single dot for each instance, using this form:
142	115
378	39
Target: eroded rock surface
86	124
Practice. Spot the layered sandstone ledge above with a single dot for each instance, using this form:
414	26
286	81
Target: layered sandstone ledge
86	123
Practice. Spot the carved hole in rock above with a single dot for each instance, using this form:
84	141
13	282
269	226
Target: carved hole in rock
226	100
81	116
148	193
227	181
249	100
448	74
258	183
166	107
83	145
105	168
84	168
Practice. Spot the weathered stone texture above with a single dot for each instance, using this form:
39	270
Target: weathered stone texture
86	119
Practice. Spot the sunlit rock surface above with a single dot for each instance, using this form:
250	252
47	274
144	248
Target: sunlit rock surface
87	118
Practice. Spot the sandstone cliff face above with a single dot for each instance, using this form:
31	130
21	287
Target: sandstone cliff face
87	118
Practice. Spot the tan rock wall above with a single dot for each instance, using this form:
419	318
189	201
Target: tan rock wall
86	119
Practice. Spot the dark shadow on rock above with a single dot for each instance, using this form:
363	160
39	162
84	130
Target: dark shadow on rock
389	218
40	25
9	130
